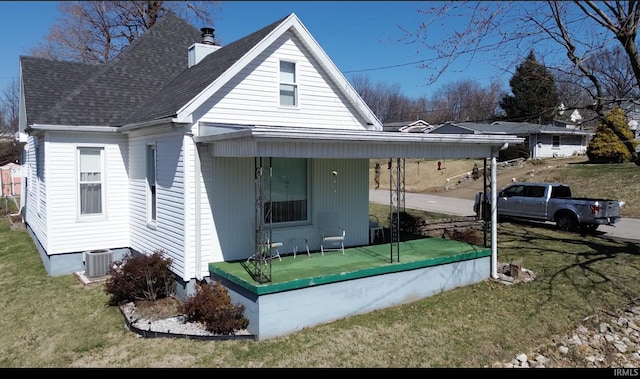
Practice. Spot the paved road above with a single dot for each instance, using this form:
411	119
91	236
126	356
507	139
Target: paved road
626	228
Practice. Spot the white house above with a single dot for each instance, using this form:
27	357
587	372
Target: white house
542	141
165	148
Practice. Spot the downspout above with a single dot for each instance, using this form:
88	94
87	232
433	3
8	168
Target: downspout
494	214
197	215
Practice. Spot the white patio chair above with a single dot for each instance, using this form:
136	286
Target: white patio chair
332	235
374	228
272	248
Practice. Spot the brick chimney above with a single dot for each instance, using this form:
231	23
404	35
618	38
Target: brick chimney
198	51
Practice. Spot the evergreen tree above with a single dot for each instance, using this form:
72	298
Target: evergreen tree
535	97
605	146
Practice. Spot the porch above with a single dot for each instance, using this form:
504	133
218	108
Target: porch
310	290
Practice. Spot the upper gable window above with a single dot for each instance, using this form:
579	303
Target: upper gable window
288	84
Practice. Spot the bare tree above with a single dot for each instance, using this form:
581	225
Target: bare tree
9	148
386	100
465	100
9	104
502	31
97	31
615	73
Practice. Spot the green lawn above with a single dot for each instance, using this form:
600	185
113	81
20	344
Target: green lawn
58	322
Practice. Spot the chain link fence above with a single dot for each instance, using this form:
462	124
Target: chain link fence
9	205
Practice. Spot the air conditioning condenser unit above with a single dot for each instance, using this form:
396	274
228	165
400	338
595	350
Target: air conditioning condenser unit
97	262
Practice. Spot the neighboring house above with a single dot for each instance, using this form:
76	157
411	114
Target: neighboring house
419	126
168	147
10	179
566	119
542	141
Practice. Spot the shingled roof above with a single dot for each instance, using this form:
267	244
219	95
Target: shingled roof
195	79
67	93
47	82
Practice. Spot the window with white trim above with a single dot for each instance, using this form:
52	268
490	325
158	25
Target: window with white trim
39	161
556	141
151	183
90	180
288	84
288	190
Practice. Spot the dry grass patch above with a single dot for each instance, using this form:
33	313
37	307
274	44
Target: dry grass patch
422	175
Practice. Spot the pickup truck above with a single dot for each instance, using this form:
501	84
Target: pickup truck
551	202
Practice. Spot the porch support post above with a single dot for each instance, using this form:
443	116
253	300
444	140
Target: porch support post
197	215
494	218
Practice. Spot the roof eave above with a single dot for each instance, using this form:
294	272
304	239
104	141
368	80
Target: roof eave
71	128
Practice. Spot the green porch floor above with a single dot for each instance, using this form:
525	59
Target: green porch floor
357	262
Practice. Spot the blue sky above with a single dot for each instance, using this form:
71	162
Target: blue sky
355	34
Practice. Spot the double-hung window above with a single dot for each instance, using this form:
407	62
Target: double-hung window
90	180
151	184
288	84
556	141
39	162
287	195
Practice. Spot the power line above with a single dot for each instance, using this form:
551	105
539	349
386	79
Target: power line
385	67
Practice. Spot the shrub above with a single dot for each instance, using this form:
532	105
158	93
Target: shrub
212	306
408	222
606	146
468	235
140	277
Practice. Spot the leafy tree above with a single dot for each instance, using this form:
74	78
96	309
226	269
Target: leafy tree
534	98
606	146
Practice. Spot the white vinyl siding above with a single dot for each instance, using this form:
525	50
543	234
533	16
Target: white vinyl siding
35	210
252	96
230	195
168	234
548	145
68	230
90	177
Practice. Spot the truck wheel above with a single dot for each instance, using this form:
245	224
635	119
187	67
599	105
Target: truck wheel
566	222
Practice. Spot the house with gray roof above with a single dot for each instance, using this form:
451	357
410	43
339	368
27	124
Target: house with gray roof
206	153
542	141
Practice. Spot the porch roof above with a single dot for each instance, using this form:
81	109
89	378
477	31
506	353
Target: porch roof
298	142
